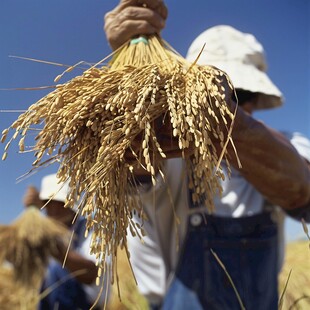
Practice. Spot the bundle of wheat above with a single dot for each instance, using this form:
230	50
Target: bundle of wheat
15	296
92	122
295	273
28	243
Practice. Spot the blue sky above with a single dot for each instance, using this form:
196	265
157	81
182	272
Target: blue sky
69	31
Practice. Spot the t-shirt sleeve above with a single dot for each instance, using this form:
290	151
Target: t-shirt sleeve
302	145
92	291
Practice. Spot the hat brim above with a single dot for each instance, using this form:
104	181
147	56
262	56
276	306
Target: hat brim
51	189
247	77
58	195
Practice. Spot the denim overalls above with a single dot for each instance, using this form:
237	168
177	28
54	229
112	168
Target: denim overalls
247	247
69	295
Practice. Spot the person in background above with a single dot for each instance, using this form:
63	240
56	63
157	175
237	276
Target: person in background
67	292
246	230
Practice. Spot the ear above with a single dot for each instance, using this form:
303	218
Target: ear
248	106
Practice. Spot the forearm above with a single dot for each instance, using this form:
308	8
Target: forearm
271	163
75	262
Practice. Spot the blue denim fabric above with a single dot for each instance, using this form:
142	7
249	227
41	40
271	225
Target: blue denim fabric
248	249
70	294
67	296
181	297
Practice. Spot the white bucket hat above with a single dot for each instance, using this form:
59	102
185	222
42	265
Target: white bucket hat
52	188
242	57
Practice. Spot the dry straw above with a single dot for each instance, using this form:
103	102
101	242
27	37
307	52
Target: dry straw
91	122
130	299
297	265
15	296
28	243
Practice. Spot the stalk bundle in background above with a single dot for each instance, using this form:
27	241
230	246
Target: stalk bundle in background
89	123
15	296
28	244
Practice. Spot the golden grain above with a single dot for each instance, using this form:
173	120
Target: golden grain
28	243
89	122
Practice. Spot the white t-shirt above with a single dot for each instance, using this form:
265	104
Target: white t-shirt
166	205
92	291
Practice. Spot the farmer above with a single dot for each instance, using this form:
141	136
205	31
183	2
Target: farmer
178	266
78	291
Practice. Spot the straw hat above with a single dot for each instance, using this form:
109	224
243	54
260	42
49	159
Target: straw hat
52	189
242	57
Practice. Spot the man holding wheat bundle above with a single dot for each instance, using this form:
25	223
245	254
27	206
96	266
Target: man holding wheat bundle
72	286
230	259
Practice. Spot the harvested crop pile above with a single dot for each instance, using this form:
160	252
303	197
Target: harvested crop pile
15	296
28	243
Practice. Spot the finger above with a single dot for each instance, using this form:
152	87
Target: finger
129	14
127	30
142	14
156	5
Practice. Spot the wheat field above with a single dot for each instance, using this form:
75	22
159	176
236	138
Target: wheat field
296	296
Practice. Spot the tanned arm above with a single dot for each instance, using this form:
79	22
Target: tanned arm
75	262
271	163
